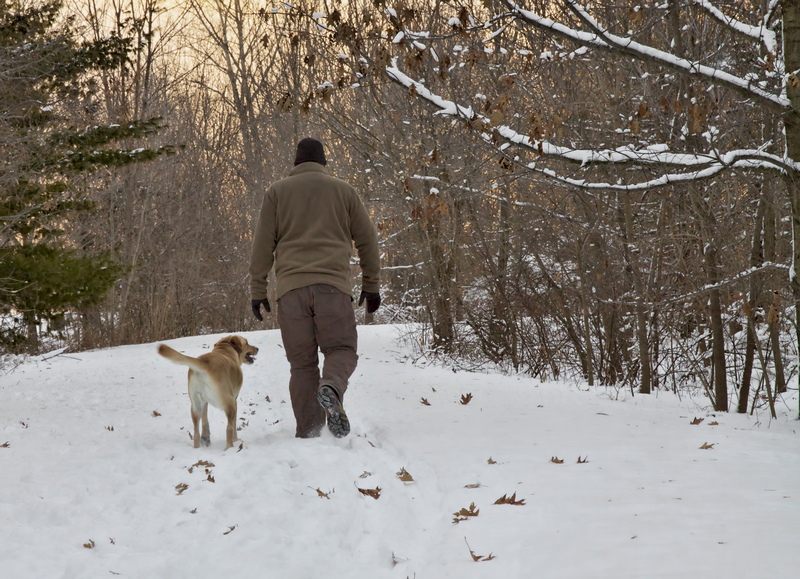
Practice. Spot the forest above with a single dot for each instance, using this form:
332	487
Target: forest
602	191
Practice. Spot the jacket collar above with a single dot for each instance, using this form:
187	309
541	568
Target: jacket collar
308	167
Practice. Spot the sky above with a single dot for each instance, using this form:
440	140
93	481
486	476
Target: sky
445	474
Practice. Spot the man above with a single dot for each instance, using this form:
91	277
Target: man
306	228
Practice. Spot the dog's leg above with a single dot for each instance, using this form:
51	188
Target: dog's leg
196	423
235	427
230	433
206	438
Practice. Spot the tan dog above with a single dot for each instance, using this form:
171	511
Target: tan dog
215	378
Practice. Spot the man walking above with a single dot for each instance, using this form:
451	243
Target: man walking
306	229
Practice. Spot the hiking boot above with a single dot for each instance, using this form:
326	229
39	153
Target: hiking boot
338	423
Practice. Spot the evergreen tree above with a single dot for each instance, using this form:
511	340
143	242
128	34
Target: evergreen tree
45	69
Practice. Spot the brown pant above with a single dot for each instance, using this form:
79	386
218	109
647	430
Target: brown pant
317	317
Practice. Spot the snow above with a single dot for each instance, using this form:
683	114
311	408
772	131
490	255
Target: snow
85	461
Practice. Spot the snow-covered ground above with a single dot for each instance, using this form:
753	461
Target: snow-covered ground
98	477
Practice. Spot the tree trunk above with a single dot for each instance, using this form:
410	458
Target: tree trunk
708	237
791	55
631	253
756	259
717	335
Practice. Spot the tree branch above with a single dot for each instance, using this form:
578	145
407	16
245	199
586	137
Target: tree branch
601	38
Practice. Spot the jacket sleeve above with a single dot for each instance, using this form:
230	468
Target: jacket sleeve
262	254
366	240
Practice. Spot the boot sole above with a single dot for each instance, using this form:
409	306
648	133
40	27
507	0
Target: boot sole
338	423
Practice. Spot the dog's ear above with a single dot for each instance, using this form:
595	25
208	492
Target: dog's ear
235	341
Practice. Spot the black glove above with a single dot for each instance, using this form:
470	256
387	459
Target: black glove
256	305
373	301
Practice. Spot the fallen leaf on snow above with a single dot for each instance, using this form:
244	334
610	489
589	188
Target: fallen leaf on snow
374	493
404	476
478	558
465	513
204	463
512	500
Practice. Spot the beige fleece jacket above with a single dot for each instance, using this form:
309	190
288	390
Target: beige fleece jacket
306	228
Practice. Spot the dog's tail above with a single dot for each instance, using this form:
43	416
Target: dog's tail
178	358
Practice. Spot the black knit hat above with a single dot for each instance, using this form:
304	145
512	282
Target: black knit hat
310	150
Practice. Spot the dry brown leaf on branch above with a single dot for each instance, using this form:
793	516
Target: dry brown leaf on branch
211	478
512	500
715	423
466	398
181	487
322	495
696	421
497	117
156	413
706	446
5	445
374	493
583	460
490	461
556	460
404	476
425	402
89	545
230	530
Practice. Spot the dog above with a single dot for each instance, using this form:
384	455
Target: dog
215	378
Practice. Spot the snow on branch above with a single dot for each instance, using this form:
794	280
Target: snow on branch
694	166
701	292
762	32
707	172
602	38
